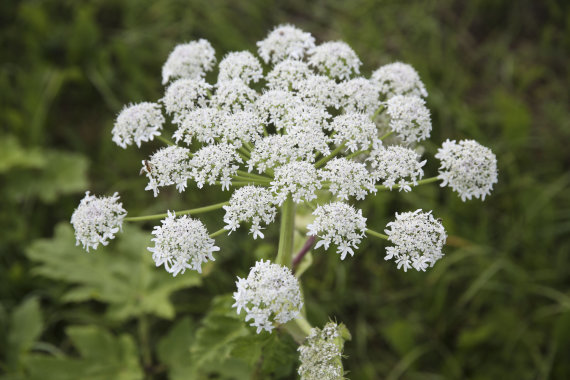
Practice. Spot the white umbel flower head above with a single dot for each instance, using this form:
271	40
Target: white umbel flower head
340	224
285	41
168	166
234	95
347	178
185	95
272	151
215	163
335	59
318	91
137	123
241	127
409	118
396	165
269	294
398	79
241	65
359	95
182	243
203	124
418	239
97	219
356	130
298	179
251	204
274	105
191	60
286	73
468	167
321	354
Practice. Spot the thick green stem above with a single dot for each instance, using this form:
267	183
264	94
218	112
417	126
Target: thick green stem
253	175
285	252
326	159
192	211
421	182
376	234
386	135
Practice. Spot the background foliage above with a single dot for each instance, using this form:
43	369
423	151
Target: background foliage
498	305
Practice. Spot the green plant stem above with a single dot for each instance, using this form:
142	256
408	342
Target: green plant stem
285	251
192	211
253	175
378	111
218	232
165	140
326	159
386	135
357	153
252	180
376	234
421	182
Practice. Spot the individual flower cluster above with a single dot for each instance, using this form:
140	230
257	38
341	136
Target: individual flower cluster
97	219
298	179
241	65
409	118
321	354
215	163
359	95
418	240
185	95
191	60
340	224
287	73
347	178
137	123
168	166
356	130
203	124
285	41
468	167
398	79
182	243
335	59
396	165
250	204
270	294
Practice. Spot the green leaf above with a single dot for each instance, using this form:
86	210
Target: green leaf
14	156
174	349
58	173
122	274
25	327
103	356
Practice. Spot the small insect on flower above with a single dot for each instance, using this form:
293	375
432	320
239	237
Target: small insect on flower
147	167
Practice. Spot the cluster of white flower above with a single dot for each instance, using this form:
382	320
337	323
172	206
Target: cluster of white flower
241	65
396	165
97	219
251	204
409	118
347	178
340	224
335	59
185	95
356	130
215	163
269	294
468	167
191	60
321	355
168	166
398	79
298	179
181	243
418	239
285	41
137	123
311	123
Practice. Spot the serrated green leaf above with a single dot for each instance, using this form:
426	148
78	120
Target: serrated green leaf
103	356
122	274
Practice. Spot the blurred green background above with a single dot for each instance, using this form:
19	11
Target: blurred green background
497	306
